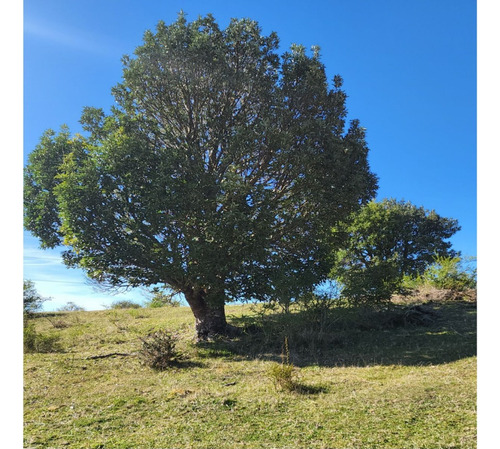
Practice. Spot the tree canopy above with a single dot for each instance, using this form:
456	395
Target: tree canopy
385	241
219	172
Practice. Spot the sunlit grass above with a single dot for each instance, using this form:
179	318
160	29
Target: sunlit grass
408	387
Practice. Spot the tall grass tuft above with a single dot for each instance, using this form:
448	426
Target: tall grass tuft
37	342
283	374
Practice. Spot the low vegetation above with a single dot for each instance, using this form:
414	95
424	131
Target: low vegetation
159	350
125	304
317	376
39	342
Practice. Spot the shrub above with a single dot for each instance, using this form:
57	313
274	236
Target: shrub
318	303
451	273
159	350
32	300
38	342
125	304
57	324
283	374
71	307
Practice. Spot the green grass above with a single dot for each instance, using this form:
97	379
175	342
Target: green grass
363	384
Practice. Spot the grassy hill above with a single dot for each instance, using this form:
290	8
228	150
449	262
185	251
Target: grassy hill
404	379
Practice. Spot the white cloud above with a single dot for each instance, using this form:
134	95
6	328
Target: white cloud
34	257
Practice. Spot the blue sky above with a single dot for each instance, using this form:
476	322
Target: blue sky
409	71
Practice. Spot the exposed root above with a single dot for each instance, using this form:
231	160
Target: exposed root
112	354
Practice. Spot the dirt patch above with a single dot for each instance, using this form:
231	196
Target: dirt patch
426	294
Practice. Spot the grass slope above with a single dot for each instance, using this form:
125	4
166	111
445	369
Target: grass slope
364	384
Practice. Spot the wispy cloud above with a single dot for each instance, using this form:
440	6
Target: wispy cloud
55	281
35	257
72	38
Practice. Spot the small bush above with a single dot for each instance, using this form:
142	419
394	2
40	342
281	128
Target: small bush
58	324
318	303
448	273
37	342
125	304
159	350
283	374
71	307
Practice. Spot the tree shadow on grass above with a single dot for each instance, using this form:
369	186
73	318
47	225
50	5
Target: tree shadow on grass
434	333
305	389
180	365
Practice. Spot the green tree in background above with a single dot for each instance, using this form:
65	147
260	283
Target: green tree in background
161	298
32	300
384	242
219	173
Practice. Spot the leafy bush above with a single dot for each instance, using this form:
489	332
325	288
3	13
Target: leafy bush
283	374
37	342
159	350
32	300
318	303
162	299
452	273
125	304
57	323
71	307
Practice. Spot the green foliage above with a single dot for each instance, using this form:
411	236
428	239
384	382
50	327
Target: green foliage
125	304
384	242
219	172
40	179
32	300
162	299
283	376
39	342
159	350
452	273
317	303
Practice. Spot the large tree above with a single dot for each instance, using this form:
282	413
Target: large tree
219	173
385	241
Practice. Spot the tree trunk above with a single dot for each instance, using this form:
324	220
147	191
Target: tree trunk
210	319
